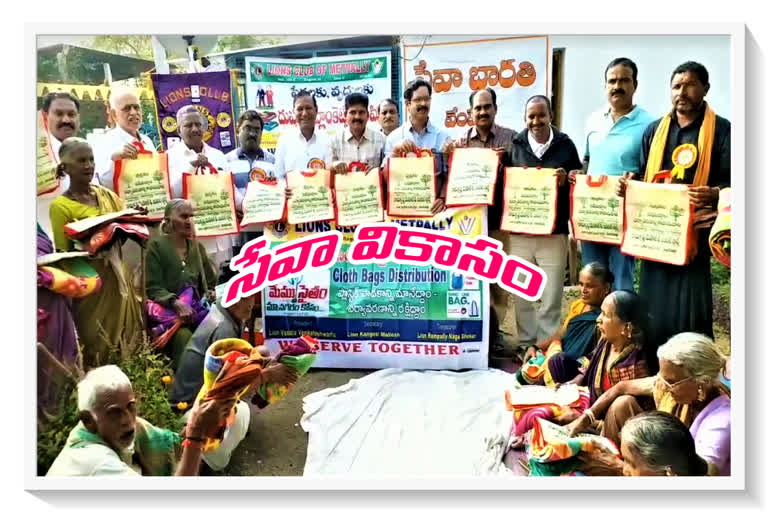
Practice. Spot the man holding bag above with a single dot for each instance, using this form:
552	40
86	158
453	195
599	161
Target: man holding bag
118	143
680	297
190	154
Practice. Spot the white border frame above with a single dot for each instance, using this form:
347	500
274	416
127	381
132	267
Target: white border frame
738	80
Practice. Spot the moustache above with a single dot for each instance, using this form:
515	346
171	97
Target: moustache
61	125
618	91
420	109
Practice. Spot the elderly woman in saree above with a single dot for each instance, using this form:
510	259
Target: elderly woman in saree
112	316
686	386
179	275
556	359
56	332
659	444
618	355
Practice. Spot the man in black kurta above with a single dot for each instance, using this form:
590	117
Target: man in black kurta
680	297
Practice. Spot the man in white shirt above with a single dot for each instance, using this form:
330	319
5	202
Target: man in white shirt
185	157
61	111
117	143
112	441
304	148
357	142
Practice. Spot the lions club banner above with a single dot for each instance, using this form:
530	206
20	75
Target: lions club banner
210	92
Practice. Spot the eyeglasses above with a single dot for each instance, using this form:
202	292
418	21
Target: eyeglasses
672	386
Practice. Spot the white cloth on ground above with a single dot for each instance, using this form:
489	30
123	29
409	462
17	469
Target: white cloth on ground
407	422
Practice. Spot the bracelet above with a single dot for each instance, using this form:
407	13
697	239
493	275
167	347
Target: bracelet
188	442
591	415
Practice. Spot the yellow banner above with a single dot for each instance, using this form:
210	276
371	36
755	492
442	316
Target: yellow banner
94	92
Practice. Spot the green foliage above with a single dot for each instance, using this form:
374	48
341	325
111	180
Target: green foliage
130	46
721	280
145	369
241	42
52	435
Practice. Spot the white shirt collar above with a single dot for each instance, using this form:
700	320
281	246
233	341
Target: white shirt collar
186	149
125	135
311	140
537	148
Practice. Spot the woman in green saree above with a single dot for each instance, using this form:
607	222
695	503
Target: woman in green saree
111	318
179	274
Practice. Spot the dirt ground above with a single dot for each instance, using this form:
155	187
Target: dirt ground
277	445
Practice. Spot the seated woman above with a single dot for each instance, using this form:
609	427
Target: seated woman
179	274
555	360
659	444
686	386
619	355
113	313
56	332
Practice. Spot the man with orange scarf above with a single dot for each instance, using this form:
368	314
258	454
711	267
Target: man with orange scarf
680	297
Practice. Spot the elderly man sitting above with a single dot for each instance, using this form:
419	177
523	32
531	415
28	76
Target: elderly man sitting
111	440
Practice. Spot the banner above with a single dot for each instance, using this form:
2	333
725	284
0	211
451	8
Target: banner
530	201
516	68
271	85
383	316
144	181
597	213
658	222
210	92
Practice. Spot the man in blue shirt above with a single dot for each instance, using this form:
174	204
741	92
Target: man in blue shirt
419	132
613	139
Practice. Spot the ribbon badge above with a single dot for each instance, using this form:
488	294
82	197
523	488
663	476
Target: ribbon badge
257	174
683	157
315	163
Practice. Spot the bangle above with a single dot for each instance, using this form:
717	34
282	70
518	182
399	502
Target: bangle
591	416
190	442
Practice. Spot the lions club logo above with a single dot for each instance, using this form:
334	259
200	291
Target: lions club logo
169	124
223	120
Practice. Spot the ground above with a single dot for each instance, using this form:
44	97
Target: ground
277	445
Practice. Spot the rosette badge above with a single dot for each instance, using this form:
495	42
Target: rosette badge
683	158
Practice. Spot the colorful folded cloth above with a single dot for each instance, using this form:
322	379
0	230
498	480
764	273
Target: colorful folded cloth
164	322
73	278
300	356
526	415
551	443
720	236
536	369
104	235
231	366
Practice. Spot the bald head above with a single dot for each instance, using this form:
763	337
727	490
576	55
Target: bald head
126	108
